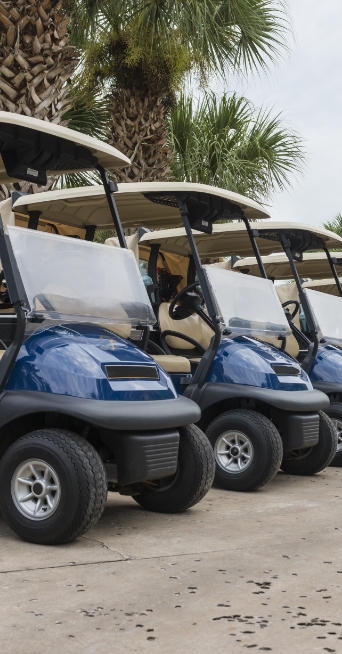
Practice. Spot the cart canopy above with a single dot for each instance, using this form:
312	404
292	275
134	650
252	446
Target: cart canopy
31	149
87	205
323	285
80	281
314	264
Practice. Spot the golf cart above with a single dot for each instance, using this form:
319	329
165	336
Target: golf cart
248	390
315	317
81	406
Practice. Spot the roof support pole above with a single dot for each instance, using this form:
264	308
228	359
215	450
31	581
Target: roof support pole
208	357
333	270
111	187
313	347
33	219
253	233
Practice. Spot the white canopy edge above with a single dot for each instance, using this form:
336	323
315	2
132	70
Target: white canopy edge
232	239
87	205
323	285
106	155
314	264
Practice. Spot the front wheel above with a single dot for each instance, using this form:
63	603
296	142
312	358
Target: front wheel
335	414
53	486
311	460
247	447
190	483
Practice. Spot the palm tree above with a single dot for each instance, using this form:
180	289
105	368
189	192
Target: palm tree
226	142
36	59
139	52
334	225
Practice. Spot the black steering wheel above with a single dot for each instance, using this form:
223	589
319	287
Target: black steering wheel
188	302
296	309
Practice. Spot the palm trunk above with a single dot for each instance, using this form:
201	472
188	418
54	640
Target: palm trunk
139	130
36	60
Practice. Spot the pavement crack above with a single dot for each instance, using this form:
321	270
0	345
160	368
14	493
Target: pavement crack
100	542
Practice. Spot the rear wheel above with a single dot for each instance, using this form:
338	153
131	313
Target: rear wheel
247	447
335	414
53	486
311	460
192	480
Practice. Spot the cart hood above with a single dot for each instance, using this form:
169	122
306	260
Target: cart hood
87	205
31	149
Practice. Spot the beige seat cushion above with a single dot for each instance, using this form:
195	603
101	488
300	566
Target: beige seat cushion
121	330
193	326
292	347
288	292
172	363
2	352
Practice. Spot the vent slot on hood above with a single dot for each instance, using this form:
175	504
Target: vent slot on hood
131	372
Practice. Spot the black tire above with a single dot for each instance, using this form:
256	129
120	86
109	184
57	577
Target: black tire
335	414
266	449
193	479
314	459
81	479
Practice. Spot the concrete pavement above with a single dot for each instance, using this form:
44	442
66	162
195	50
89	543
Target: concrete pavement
238	572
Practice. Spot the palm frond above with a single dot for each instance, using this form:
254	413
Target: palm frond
226	142
334	225
91	119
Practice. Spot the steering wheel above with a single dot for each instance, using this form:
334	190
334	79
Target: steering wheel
296	309
188	302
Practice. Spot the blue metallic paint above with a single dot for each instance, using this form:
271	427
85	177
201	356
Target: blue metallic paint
245	360
70	360
328	365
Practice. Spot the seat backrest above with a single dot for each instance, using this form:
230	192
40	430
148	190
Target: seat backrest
285	293
193	326
288	292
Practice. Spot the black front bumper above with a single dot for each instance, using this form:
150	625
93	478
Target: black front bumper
114	415
301	401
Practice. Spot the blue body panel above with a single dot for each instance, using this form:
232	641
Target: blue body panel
248	361
328	365
70	360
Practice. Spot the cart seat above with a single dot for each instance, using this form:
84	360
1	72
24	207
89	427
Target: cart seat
123	330
172	364
193	326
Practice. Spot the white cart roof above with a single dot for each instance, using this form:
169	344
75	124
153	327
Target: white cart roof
323	285
31	146
88	206
314	265
232	239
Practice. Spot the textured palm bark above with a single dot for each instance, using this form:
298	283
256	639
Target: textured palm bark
36	64
36	61
139	130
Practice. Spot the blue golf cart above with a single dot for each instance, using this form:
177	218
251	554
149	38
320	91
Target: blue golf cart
224	346
82	408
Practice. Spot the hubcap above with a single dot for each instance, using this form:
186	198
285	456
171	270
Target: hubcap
234	452
338	425
35	489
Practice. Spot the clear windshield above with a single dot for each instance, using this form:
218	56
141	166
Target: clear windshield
69	279
327	310
247	304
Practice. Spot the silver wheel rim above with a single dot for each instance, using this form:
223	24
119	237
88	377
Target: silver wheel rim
36	489
338	425
234	452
